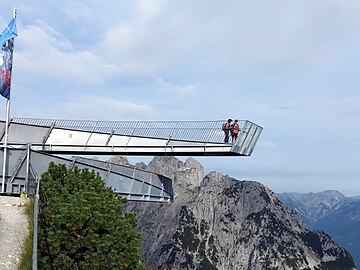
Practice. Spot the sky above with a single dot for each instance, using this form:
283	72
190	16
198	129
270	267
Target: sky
291	67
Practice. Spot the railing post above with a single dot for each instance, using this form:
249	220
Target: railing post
172	132
211	132
132	133
47	135
91	133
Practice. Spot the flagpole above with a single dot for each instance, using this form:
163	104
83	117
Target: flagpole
6	132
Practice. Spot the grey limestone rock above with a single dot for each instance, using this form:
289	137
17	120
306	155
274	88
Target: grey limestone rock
217	222
141	166
119	160
186	176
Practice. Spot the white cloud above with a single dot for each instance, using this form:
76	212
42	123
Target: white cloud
184	92
45	55
77	11
189	91
237	37
100	108
148	9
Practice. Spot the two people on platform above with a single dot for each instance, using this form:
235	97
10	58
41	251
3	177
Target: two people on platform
232	129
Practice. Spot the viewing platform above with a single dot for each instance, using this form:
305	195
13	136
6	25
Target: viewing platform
25	167
140	138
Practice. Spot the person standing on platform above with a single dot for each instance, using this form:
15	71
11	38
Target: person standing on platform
226	128
235	130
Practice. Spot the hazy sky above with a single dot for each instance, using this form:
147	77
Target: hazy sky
289	66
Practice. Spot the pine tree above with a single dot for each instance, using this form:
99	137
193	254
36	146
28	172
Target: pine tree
82	223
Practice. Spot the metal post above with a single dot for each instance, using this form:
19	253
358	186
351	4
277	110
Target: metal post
6	132
27	171
5	145
171	134
35	235
132	133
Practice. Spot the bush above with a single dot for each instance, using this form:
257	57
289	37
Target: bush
82	224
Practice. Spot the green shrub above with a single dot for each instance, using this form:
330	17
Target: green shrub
82	224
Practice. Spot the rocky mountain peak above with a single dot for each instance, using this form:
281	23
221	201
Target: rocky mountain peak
187	175
332	193
190	175
219	222
119	160
215	180
165	165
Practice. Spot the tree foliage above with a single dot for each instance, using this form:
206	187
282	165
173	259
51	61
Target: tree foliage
82	223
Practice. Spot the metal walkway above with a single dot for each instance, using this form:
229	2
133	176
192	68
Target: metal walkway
25	166
177	138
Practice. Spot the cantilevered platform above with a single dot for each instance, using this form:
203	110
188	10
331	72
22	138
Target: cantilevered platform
176	138
25	166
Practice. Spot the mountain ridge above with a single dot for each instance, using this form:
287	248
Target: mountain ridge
218	222
332	212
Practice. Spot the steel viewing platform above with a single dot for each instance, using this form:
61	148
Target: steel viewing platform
176	138
25	166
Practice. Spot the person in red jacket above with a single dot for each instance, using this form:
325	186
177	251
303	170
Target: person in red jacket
227	128
234	130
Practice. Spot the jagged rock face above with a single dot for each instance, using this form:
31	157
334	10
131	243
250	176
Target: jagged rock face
119	160
186	176
141	166
222	223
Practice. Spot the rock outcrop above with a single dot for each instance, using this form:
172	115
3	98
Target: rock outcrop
119	160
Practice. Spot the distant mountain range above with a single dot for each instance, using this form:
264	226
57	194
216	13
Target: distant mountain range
218	222
332	212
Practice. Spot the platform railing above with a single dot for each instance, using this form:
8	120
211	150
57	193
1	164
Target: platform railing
199	131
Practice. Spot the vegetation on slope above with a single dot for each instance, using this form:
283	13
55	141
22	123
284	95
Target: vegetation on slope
26	255
82	224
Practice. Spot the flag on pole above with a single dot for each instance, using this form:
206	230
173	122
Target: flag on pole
6	56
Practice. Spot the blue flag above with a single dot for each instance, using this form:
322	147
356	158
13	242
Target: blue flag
6	56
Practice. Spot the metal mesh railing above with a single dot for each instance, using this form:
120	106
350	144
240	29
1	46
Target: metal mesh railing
204	131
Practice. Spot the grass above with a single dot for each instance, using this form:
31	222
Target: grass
26	255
